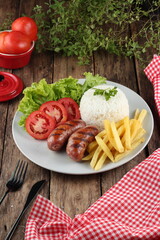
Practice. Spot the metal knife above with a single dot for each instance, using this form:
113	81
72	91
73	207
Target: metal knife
31	195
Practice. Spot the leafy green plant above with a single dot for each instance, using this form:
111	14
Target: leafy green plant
6	25
81	27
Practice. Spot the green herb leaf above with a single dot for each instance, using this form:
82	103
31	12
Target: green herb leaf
107	93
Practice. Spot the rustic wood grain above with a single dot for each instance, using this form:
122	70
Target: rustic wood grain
12	7
4	105
10	156
3	115
73	194
145	87
39	67
147	93
69	66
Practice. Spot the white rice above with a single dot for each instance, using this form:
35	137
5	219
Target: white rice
95	109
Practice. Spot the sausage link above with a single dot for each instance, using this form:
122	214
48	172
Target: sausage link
79	140
60	134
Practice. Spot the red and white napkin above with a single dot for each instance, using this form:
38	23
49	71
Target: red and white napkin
152	71
130	210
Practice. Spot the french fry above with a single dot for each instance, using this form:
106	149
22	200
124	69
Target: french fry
95	157
92	146
140	134
131	122
107	125
117	140
119	156
105	138
135	126
89	156
137	142
104	147
142	115
136	114
109	133
101	161
118	144
127	135
121	130
119	123
102	133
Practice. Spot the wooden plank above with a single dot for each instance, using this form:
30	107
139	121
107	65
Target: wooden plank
117	69
73	194
10	156
38	68
145	87
31	73
69	66
3	116
120	70
147	93
11	7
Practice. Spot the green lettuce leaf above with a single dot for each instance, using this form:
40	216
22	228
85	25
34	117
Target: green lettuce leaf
41	92
34	96
92	80
68	87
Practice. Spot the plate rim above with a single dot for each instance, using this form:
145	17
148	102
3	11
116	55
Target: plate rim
118	164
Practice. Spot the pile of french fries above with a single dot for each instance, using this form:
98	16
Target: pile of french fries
116	140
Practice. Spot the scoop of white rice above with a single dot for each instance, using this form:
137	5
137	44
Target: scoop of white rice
95	109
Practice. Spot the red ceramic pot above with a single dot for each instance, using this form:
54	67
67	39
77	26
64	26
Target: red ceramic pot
13	61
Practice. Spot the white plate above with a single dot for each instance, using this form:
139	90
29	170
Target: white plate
38	152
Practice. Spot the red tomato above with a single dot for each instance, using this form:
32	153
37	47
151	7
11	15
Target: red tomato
39	125
16	42
2	35
27	26
71	107
55	109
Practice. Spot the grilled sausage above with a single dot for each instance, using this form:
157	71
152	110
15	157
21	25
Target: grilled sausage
79	140
60	134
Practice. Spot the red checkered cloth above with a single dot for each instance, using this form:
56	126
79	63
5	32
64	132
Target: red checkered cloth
152	71
130	210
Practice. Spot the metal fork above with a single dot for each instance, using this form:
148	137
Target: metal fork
17	178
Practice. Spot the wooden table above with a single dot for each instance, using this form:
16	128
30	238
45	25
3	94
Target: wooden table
73	194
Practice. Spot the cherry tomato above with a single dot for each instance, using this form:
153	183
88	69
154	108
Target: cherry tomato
27	26
2	47
16	42
71	107
39	125
56	110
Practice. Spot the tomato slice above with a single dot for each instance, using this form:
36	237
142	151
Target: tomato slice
55	110
39	125
72	108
